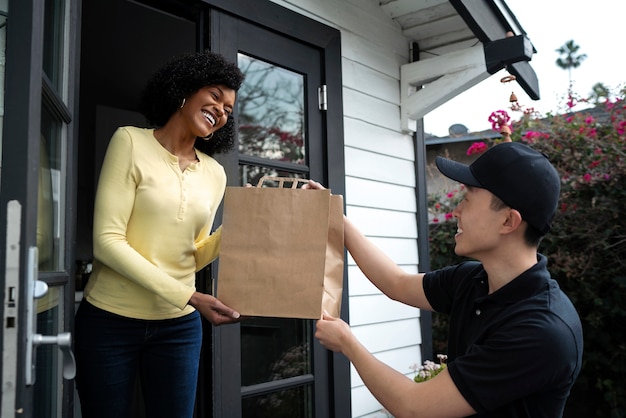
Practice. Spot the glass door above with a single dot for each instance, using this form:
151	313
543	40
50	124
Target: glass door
273	367
36	204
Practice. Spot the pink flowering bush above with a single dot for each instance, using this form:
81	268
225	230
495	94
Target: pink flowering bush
587	246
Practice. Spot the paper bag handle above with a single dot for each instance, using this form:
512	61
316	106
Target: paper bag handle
281	180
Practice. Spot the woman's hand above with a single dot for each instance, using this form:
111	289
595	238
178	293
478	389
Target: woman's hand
213	310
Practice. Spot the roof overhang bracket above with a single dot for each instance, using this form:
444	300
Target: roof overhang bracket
426	85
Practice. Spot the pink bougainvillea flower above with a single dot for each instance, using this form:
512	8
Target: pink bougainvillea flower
498	119
449	216
587	177
435	220
534	136
589	120
571	102
476	148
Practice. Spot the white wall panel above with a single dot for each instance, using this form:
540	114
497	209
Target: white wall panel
374	194
359	285
359	77
373	55
368	165
401	251
387	336
381	223
363	135
364	404
371	109
378	309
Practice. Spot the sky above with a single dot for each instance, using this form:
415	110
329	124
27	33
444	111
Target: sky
596	26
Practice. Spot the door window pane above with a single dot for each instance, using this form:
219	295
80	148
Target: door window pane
288	403
274	349
55	47
51	194
271	112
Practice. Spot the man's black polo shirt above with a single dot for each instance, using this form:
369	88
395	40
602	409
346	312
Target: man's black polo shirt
516	352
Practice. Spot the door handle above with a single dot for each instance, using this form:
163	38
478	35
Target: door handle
36	289
64	341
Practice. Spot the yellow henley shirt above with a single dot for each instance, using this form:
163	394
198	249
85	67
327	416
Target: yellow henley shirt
152	227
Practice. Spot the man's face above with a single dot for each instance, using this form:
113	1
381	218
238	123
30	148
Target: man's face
479	225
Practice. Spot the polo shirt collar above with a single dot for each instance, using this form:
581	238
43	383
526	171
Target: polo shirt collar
522	287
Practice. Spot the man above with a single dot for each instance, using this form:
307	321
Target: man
515	342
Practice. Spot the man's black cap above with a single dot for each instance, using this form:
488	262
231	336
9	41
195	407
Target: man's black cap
518	175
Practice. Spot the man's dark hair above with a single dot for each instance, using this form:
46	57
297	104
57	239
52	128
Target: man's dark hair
532	236
180	78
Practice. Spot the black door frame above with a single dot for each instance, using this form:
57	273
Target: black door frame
24	60
26	88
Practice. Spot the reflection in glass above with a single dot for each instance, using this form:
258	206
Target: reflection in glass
252	174
48	383
271	112
288	403
3	39
54	48
274	349
51	192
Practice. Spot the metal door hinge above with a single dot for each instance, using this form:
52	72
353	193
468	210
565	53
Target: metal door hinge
322	98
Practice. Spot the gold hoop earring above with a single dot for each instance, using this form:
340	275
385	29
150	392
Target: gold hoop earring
208	137
183	103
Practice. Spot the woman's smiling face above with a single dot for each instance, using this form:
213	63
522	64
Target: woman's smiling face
208	109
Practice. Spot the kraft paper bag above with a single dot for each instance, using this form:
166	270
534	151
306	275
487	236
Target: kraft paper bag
282	251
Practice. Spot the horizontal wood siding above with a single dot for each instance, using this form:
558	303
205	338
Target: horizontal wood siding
380	177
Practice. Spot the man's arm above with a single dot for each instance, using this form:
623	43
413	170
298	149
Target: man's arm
383	272
401	396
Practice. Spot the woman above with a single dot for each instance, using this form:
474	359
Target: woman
157	196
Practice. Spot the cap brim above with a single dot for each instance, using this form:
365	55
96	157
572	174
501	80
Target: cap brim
457	171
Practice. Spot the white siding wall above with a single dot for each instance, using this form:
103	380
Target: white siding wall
380	177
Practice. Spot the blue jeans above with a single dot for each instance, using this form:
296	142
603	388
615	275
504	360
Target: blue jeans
112	351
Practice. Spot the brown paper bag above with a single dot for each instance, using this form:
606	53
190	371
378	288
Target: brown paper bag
282	251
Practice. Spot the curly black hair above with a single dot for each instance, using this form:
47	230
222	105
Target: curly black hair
183	76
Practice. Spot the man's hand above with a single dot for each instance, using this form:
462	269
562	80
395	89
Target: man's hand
333	333
312	184
213	310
